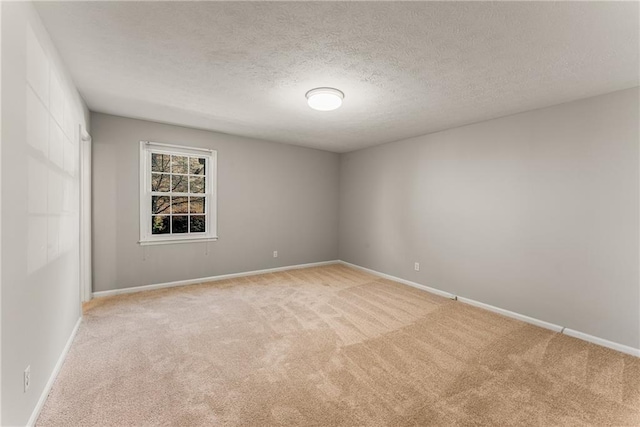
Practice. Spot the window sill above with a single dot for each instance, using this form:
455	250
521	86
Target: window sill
174	241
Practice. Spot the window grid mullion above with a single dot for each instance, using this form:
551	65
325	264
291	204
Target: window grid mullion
189	195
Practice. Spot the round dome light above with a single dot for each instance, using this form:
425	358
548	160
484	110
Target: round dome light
324	98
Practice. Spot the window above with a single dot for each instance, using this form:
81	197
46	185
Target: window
177	194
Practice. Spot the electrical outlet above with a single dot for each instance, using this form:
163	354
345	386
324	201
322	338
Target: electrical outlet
275	254
27	378
416	266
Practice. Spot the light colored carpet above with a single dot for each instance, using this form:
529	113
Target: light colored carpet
329	346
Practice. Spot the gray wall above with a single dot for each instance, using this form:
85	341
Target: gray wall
535	213
270	197
41	113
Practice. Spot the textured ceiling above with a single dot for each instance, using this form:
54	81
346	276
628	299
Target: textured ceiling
406	68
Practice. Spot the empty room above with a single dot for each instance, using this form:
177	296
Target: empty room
319	213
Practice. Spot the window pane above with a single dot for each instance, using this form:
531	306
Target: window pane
197	184
160	182
180	224
180	205
160	224
198	224
160	162
179	184
159	204
179	164
196	166
196	205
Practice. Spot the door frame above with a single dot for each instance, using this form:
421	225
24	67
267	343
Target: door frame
86	288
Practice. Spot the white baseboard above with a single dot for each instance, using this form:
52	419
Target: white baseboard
512	314
208	279
541	323
403	281
601	341
54	375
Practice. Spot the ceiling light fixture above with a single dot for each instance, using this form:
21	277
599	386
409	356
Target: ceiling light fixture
324	98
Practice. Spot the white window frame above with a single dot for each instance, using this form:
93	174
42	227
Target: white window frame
146	237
